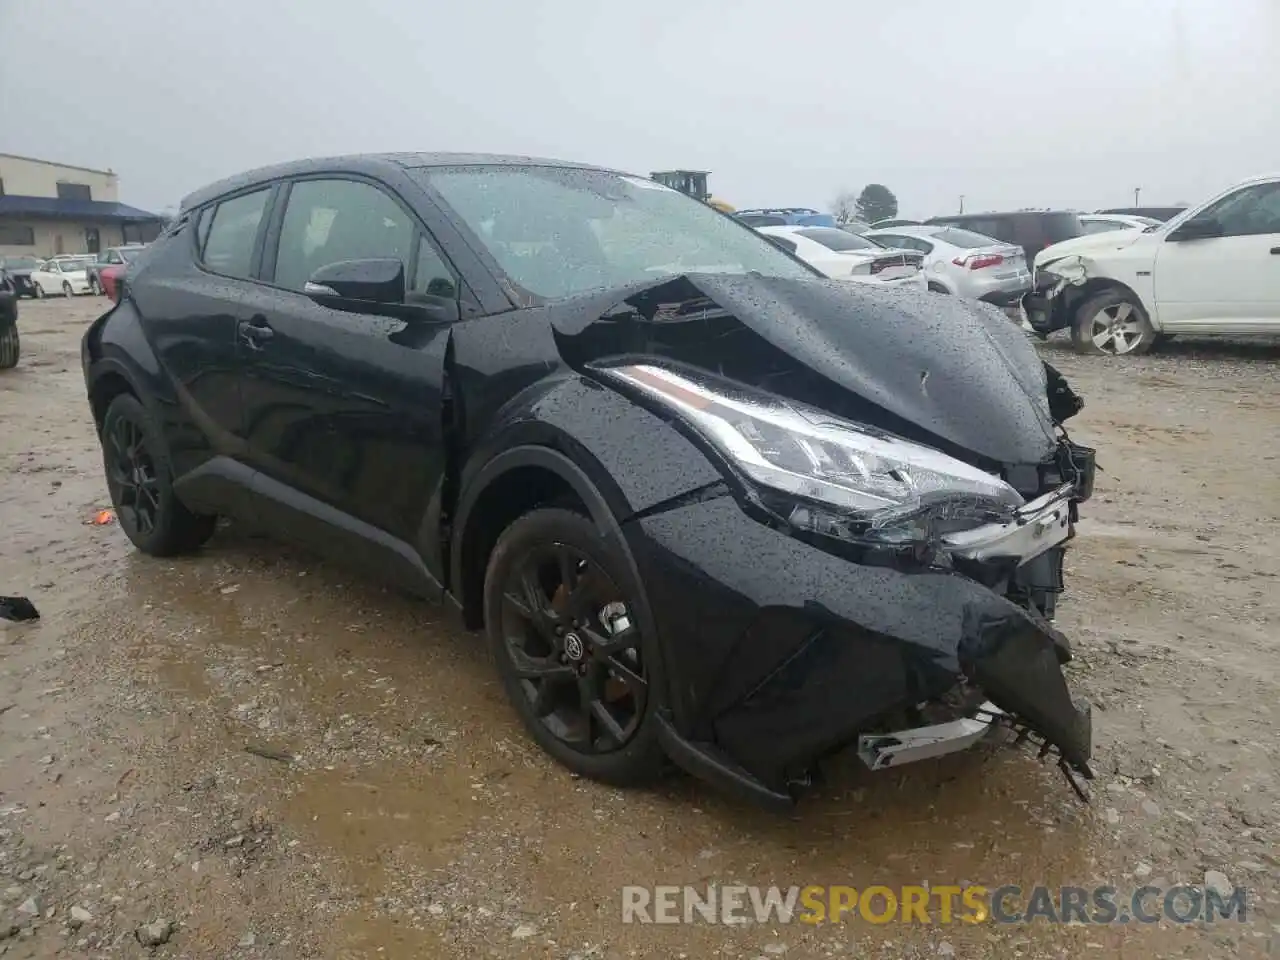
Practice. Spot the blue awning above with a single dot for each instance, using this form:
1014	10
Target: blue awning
56	208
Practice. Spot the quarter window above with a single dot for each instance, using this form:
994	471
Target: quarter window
327	221
232	233
432	277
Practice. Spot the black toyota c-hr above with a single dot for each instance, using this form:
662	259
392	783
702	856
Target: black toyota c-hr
709	506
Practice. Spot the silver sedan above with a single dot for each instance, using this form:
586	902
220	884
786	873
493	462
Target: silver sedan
962	262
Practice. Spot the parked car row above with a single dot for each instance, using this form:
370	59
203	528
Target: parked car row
69	274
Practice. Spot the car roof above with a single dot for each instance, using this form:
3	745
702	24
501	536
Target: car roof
955	217
368	163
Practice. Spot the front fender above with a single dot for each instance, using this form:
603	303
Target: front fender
634	460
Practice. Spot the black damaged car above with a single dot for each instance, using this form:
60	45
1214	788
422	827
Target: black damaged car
708	506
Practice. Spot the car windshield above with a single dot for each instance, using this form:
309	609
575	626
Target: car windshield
833	238
561	231
966	239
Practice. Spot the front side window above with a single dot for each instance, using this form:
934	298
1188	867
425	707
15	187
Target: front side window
1250	212
233	231
113	256
327	221
561	231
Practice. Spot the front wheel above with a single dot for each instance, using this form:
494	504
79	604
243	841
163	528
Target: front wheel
9	347
39	292
566	643
140	480
66	289
95	287
1114	324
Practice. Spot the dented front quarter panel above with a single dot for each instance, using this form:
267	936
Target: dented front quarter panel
776	649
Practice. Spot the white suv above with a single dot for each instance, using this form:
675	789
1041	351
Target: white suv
1213	269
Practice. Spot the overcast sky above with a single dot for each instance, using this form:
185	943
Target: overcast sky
1010	102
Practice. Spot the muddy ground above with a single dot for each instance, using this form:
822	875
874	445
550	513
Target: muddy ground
147	719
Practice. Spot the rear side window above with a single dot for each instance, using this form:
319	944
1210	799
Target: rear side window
996	227
788	245
833	238
964	238
232	233
1060	226
762	220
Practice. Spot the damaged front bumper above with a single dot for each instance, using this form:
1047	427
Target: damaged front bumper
1051	302
789	653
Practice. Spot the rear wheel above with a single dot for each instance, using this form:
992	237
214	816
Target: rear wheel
1112	323
568	647
140	480
8	345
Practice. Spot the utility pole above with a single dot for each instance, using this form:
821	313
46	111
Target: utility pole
1137	192
962	203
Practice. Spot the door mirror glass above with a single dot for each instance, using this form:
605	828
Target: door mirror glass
349	284
1197	228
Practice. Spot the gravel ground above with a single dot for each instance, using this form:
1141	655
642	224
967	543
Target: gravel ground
250	753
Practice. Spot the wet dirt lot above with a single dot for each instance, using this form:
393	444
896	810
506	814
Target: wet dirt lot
282	759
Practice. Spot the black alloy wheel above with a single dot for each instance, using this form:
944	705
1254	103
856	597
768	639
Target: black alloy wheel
131	477
569	649
139	479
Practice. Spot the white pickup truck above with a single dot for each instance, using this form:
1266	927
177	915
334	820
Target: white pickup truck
1213	269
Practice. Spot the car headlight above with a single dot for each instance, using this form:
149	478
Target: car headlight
842	479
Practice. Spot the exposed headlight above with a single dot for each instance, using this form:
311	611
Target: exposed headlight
878	485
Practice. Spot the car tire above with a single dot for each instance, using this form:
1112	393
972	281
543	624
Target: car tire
140	481
9	346
1112	323
549	677
938	288
67	291
39	292
95	287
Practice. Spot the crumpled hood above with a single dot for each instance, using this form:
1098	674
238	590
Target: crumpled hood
1110	240
954	373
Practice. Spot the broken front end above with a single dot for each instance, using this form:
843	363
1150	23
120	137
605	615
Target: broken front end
849	588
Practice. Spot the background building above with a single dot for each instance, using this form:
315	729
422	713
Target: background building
51	208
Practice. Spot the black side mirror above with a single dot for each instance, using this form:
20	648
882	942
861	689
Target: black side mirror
356	284
1197	229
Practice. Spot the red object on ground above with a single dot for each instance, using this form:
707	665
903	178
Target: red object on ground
110	277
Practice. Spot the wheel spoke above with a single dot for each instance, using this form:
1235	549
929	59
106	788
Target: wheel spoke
588	697
528	667
606	719
623	671
1122	312
1100	340
607	646
535	604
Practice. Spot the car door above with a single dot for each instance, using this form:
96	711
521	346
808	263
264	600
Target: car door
1230	282
343	411
202	286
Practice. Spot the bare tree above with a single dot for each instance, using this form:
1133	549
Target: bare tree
844	206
